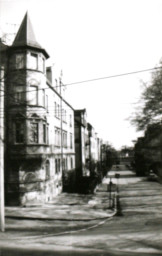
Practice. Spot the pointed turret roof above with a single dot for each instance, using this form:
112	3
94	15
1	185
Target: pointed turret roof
25	36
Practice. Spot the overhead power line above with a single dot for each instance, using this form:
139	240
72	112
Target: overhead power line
113	76
87	81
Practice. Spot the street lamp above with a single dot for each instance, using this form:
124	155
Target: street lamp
118	208
117	176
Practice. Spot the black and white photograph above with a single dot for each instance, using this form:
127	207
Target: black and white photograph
80	127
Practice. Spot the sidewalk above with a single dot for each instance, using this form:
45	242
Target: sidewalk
66	213
66	207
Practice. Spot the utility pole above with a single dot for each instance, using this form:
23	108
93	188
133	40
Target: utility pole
61	125
2	218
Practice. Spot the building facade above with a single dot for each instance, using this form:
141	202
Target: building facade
49	146
39	124
80	143
94	149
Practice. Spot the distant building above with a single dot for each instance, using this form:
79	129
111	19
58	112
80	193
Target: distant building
39	123
93	149
80	143
126	155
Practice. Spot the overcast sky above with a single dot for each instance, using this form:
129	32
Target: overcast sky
90	39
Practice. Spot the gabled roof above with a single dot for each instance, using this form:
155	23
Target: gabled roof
25	36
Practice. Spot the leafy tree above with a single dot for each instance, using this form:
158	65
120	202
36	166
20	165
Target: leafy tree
151	110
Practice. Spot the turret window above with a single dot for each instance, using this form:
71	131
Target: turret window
33	95
19	94
20	61
45	133
19	132
34	61
34	132
42	64
43	97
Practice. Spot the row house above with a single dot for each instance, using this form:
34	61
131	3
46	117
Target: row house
87	149
81	137
39	123
49	146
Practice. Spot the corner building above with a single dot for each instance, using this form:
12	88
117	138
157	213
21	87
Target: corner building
39	125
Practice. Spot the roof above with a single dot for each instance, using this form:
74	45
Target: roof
58	94
79	111
26	37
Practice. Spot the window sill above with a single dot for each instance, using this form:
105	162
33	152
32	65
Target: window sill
37	144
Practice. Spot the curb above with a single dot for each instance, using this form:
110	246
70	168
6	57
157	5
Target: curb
57	219
115	212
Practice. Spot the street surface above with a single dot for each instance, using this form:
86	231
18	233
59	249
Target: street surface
84	225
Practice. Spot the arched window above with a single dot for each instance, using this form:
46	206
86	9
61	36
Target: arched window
33	95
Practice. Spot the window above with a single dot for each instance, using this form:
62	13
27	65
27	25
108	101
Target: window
44	134
34	133
47	167
19	94
18	97
70	120
71	163
56	165
47	102
47	136
20	61
64	135
33	61
58	111
58	161
33	95
55	109
19	132
66	164
42	64
57	137
63	164
71	140
43	97
64	115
